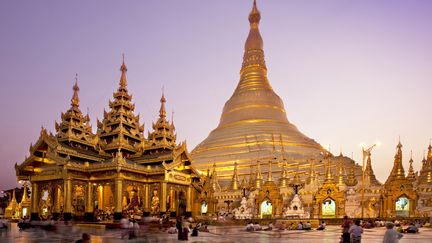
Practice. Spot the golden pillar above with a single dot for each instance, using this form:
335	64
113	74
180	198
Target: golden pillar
172	200
164	197
118	196
67	212
146	199
189	202
57	200
34	201
89	208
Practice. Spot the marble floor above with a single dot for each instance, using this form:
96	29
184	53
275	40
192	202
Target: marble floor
220	234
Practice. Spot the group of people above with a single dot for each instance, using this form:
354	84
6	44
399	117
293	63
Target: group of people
351	233
300	226
183	228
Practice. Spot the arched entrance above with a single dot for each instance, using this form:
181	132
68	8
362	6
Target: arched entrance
266	208
402	206
204	207
328	208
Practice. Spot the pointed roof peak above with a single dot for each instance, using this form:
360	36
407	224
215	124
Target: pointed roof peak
123	69
254	40
254	15
162	111
75	98
411	159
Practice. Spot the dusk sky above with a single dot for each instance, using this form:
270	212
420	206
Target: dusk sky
349	72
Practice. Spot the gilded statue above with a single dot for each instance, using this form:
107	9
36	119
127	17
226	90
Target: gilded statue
155	203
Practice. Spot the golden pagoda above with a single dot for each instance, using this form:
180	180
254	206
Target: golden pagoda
251	118
78	174
399	196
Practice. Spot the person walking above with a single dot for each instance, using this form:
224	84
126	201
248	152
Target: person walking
355	232
391	235
345	228
179	228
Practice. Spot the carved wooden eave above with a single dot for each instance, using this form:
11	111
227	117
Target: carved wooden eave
72	152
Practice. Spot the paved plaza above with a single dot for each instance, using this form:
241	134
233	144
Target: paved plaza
217	234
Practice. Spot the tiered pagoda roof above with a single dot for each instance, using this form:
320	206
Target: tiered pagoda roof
163	137
75	130
120	129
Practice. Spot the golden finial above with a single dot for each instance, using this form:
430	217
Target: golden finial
254	15
123	69
162	111
75	98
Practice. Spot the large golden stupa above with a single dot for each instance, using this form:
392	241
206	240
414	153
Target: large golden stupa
254	128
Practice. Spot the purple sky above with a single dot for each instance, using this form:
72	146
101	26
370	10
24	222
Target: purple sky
347	71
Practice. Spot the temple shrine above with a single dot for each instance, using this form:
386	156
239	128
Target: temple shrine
75	173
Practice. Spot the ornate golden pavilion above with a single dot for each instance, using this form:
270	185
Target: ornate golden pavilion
74	172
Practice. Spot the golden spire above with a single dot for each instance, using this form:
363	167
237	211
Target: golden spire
253	74
162	112
369	173
329	176
258	179
235	179
75	98
411	174
123	69
24	197
254	40
351	178
397	171
429	155
269	177
341	180
214	179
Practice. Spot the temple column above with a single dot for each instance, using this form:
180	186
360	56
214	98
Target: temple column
34	202
67	211
172	208
189	202
164	195
56	206
89	208
118	196
146	200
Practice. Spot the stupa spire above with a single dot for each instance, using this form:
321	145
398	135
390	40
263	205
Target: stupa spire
214	179
75	99
398	171
351	178
329	175
123	69
429	155
258	179
411	174
270	176
235	178
253	74
370	177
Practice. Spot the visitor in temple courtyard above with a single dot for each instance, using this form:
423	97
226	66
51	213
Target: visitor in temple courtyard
391	235
356	232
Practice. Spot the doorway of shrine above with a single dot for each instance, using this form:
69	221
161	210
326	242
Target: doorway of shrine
266	208
328	208
181	209
402	207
